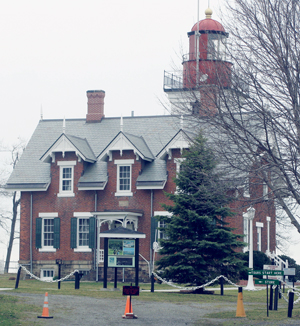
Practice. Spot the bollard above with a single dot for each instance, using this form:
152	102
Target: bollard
291	304
152	282
77	285
222	285
276	298
271	298
18	278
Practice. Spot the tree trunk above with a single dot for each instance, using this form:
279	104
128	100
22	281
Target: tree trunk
16	203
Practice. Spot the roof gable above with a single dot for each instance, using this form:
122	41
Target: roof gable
68	143
124	141
179	141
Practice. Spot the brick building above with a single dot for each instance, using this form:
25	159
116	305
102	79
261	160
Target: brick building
80	177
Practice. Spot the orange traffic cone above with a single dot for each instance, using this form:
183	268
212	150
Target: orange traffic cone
240	311
45	313
128	314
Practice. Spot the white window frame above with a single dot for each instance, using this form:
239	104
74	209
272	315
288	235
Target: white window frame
81	216
259	226
265	190
160	234
178	162
46	216
62	165
246	189
47	278
121	163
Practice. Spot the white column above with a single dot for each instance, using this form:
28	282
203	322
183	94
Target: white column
250	215
268	240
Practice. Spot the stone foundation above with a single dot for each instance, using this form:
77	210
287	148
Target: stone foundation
67	267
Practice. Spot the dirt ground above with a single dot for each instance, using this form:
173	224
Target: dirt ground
85	311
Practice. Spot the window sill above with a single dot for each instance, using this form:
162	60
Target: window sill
70	194
49	249
83	249
123	194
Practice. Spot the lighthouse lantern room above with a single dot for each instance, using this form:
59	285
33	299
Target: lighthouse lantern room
205	64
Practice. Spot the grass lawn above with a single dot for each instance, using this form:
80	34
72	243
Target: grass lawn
12	311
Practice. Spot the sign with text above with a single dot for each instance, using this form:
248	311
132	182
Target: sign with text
289	271
266	272
121	253
272	268
268	282
131	290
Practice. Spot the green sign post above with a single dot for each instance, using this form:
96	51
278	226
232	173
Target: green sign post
267	282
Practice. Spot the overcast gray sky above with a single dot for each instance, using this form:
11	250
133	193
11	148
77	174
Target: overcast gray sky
54	51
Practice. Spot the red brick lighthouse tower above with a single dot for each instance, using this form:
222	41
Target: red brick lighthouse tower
205	68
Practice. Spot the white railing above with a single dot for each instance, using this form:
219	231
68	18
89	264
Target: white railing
277	260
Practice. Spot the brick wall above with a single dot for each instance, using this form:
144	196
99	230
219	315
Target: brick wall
84	201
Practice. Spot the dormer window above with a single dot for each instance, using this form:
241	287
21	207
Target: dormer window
66	178
124	171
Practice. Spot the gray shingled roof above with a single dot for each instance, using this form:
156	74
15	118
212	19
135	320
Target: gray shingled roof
83	147
141	145
95	176
150	134
153	174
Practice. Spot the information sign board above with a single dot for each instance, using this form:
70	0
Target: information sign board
121	253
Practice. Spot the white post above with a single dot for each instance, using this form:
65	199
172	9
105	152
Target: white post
268	240
98	248
250	215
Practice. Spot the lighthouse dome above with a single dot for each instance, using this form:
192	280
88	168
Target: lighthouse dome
208	24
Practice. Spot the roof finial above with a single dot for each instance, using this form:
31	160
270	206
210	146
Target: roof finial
181	122
41	112
64	125
121	123
208	13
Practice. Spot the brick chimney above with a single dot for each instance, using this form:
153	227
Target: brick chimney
95	106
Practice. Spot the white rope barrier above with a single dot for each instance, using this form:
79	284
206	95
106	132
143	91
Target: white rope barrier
202	286
291	289
48	281
194	287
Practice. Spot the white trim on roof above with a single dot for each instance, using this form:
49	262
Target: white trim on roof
178	142
121	143
92	188
151	187
122	235
28	189
63	145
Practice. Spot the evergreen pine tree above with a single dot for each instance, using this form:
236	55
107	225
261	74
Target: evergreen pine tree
198	244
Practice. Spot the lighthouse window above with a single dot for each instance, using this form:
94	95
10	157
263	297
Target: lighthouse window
216	47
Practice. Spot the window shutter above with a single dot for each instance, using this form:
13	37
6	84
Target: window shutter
38	232
92	231
56	240
73	238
